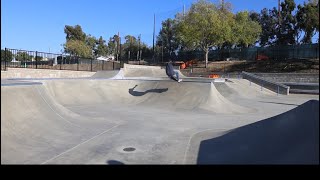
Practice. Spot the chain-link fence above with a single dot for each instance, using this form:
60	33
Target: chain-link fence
43	60
304	51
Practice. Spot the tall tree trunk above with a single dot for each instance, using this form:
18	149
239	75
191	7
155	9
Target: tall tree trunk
206	55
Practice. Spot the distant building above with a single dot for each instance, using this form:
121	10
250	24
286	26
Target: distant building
14	60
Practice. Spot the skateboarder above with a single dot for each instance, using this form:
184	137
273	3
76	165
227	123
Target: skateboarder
172	73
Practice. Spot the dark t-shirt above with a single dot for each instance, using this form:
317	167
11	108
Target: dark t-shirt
169	69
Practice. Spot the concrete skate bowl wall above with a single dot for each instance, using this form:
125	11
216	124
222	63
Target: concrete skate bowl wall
105	74
148	94
146	71
43	73
34	129
289	138
242	88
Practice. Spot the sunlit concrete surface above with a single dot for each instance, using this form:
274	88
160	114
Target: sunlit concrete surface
124	117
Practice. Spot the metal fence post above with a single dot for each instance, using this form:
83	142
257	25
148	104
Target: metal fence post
77	58
294	51
91	65
36	59
102	65
278	91
120	55
61	61
317	51
5	59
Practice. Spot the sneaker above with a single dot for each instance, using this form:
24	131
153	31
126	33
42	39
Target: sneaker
179	80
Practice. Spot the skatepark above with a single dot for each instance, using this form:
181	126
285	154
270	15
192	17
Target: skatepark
137	115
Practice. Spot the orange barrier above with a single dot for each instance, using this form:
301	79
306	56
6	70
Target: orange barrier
214	76
189	63
262	57
186	64
183	66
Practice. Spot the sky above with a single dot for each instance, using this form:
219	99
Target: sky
38	25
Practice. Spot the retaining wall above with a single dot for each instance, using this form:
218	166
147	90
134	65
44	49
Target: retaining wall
43	73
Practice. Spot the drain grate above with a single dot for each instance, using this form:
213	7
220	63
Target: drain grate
129	149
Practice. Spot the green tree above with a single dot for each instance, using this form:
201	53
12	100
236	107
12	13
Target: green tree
227	24
168	36
111	46
78	43
287	28
39	58
205	26
268	20
308	20
102	48
23	56
254	16
130	47
6	56
245	31
146	51
91	42
114	45
74	33
286	31
78	48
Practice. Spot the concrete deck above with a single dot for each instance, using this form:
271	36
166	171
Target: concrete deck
93	121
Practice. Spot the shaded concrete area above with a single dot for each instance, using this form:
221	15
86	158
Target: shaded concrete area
141	121
6	82
114	162
288	138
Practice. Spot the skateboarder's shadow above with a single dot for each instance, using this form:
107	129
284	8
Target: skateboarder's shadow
114	162
138	93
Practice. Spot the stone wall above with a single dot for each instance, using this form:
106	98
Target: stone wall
290	77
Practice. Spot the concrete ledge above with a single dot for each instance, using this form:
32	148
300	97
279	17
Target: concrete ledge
130	66
43	73
302	91
273	86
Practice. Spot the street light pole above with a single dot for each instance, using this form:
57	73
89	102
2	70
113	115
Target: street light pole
154	27
162	51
